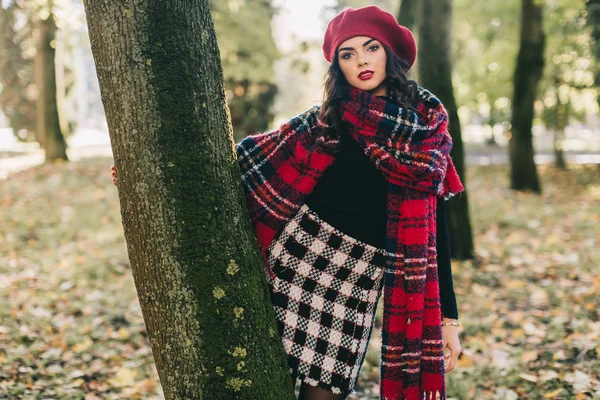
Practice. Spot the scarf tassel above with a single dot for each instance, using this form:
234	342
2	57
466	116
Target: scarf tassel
432	395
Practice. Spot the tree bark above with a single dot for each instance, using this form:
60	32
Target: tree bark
435	69
48	128
195	261
528	72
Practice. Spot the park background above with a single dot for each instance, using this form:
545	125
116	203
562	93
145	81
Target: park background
70	322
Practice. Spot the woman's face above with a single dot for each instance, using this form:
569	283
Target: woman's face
362	60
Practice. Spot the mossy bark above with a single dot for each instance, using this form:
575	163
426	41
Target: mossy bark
528	72
196	264
48	129
435	70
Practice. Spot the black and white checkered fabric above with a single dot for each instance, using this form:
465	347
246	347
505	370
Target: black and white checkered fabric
325	293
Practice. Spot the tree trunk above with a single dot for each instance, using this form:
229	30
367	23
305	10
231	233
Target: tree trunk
195	261
48	129
593	20
528	72
407	16
435	69
561	121
559	155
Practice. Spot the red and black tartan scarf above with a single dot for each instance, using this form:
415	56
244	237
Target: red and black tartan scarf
412	150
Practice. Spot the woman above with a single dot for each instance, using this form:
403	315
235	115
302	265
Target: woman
343	200
347	203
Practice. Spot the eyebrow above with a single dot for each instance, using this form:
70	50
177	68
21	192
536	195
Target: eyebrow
352	48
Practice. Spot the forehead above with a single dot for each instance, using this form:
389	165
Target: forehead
356	41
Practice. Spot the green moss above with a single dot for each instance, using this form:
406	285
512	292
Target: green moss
239	312
232	268
239	352
218	293
237	383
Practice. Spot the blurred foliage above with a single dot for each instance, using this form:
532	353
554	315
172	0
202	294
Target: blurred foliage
246	42
246	45
71	326
391	6
593	21
565	91
17	52
17	97
486	42
248	52
486	45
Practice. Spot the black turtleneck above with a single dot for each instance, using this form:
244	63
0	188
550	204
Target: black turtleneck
352	195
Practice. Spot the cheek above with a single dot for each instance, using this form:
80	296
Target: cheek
347	72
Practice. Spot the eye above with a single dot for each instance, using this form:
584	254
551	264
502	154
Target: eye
374	47
344	56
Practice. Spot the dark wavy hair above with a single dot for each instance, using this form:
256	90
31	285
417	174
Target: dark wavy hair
401	91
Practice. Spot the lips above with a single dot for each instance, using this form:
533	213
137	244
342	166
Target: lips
366	74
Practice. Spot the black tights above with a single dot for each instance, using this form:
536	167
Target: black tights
308	392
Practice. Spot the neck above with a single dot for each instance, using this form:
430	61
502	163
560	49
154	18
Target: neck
380	90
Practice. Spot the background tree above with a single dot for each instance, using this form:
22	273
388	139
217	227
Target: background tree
197	269
407	14
435	70
48	128
528	72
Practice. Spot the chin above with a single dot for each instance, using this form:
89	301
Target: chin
367	86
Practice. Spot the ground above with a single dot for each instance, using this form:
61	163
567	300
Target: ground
71	326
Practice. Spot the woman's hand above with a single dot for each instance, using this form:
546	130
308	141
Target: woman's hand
450	340
113	172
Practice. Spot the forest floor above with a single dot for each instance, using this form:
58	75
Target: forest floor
71	326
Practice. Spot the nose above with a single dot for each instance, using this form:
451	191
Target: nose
362	62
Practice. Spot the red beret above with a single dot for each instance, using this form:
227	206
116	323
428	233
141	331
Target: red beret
369	21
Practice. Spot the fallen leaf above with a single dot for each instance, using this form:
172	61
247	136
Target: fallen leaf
553	394
124	377
146	386
530	355
528	377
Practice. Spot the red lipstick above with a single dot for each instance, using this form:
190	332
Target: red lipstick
366	74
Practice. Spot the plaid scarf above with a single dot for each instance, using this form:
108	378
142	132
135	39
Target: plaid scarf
412	150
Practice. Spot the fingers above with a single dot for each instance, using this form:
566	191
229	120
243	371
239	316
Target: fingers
451	358
113	173
447	362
